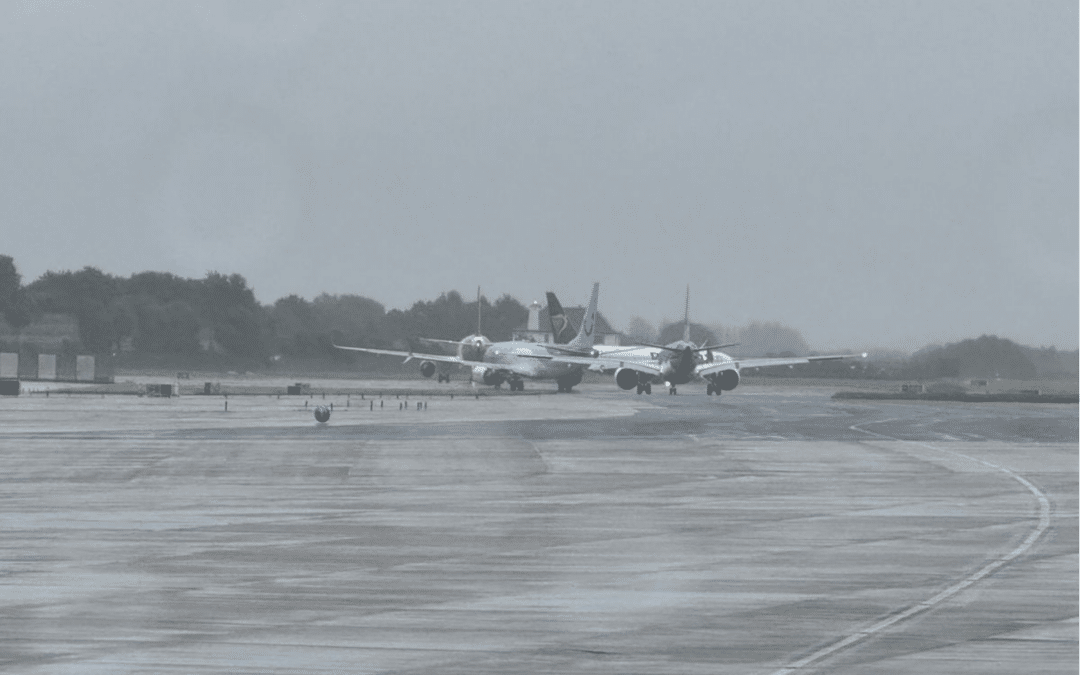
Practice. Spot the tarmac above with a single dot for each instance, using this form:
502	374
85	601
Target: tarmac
771	530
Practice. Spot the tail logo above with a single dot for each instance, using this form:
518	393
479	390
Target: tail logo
559	324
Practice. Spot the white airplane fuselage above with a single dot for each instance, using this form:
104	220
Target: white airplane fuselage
522	355
677	366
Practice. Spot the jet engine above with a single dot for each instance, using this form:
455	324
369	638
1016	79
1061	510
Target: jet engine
626	378
427	368
322	414
727	380
472	347
487	376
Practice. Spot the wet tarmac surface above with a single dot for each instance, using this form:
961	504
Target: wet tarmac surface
767	531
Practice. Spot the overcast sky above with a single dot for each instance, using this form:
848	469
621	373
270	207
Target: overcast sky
873	174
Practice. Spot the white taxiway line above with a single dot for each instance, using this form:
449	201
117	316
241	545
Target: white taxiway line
884	624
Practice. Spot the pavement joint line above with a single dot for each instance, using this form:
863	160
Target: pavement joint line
933	601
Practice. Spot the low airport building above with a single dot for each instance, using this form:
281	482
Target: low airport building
538	327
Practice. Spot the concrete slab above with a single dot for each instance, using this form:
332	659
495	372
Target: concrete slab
598	532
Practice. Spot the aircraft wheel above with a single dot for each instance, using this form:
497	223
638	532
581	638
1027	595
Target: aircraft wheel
709	390
672	391
648	389
640	389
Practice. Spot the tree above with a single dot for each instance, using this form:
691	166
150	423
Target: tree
986	356
13	303
699	334
231	309
640	330
770	337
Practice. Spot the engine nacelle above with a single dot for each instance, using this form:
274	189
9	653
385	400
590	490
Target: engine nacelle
472	347
322	414
626	378
727	380
427	368
487	376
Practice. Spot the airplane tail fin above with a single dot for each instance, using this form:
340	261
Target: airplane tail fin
584	337
686	317
479	317
561	329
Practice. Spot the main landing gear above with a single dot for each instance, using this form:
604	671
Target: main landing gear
712	389
646	388
516	385
672	390
566	382
443	378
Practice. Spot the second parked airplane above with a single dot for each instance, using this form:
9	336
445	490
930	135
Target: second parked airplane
513	361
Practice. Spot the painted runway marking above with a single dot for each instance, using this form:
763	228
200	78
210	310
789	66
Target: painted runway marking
971	579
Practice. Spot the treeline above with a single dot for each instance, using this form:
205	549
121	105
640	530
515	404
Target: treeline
157	313
757	338
163	314
302	328
987	357
991	357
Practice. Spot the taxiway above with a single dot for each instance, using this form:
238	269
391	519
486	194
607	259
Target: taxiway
769	531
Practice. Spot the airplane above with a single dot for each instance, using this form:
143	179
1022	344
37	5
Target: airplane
680	362
470	347
512	361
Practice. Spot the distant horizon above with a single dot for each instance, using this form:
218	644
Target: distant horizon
657	324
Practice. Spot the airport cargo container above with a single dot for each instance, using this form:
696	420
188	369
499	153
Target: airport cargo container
9	365
46	369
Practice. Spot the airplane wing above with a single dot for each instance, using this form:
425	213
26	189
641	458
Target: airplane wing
445	358
505	369
565	350
439	342
706	369
606	363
